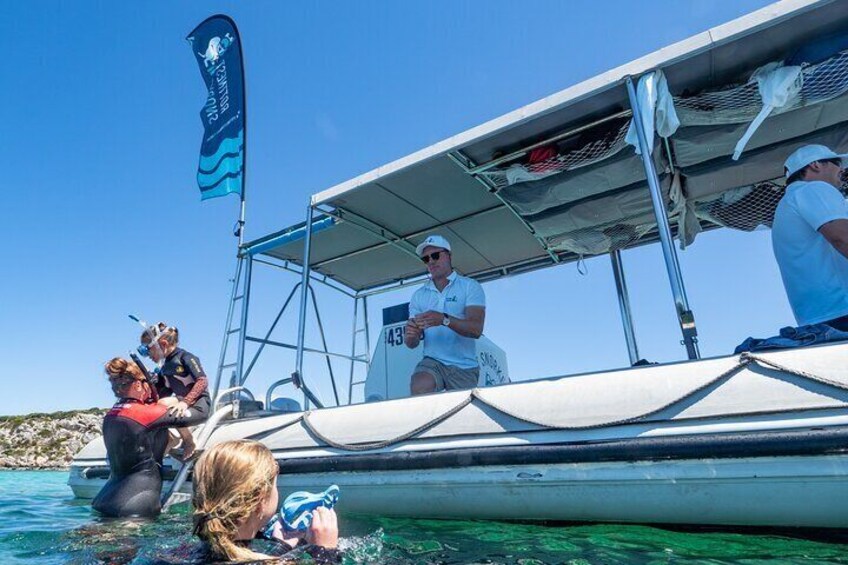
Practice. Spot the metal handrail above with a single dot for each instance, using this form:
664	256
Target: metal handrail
173	495
231	390
273	387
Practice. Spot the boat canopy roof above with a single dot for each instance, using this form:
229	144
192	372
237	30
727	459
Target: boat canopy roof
556	180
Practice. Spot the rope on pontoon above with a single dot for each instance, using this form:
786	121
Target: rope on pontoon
386	443
265	433
745	359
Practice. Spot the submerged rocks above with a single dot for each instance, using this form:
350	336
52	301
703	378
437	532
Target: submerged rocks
46	441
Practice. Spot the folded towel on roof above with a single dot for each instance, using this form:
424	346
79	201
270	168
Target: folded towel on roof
789	337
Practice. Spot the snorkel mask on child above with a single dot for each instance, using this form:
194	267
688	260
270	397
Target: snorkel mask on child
154	333
144	348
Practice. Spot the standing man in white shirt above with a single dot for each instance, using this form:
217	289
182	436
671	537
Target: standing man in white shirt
448	313
810	237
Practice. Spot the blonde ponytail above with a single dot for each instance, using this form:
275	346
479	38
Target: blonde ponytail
231	480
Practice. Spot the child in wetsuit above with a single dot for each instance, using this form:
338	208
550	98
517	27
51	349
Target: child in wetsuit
182	385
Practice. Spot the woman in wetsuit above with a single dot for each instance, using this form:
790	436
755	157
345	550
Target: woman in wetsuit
135	432
235	496
182	383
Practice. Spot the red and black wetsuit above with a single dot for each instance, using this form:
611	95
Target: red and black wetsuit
136	435
182	375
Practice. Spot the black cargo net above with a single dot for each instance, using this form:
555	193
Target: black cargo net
580	196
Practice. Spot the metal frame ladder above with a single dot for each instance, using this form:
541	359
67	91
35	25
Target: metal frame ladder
360	325
240	294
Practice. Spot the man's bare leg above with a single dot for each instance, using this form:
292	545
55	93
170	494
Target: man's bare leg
422	383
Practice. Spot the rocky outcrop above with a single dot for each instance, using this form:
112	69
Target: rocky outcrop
46	441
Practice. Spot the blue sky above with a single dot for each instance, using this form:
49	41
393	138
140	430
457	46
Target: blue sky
99	105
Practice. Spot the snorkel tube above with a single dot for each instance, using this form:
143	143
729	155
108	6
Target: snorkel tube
151	379
154	378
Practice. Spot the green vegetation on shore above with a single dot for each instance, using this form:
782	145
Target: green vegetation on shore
46	441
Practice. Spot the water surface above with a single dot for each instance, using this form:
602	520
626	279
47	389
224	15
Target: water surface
40	522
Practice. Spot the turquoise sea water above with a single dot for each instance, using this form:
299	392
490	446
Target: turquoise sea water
40	522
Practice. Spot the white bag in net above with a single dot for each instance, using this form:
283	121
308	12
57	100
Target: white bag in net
688	225
656	107
778	86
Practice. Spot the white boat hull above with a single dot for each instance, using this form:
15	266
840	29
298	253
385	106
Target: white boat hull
772	491
803	491
755	447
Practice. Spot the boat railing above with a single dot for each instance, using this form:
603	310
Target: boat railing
232	390
174	496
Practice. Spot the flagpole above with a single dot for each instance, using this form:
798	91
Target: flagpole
240	224
243	200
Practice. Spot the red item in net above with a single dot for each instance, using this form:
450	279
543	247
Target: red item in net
542	154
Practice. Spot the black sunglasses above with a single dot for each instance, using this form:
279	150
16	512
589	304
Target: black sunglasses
434	256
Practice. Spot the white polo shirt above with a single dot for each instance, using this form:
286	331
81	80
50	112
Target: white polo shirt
442	343
814	273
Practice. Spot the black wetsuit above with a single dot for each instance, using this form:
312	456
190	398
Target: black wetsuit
136	435
183	376
199	553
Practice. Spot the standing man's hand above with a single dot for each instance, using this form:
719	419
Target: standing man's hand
430	319
412	333
412	330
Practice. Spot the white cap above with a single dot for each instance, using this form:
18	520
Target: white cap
432	241
807	154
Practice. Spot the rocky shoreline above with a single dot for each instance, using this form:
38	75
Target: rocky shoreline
46	441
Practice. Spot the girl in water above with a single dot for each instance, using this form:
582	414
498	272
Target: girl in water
235	496
182	385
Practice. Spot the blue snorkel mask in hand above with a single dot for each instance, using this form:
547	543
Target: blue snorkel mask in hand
295	516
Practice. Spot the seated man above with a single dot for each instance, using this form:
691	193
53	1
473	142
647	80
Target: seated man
448	313
810	237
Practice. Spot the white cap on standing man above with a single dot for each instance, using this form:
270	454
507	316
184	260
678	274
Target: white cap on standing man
807	154
432	241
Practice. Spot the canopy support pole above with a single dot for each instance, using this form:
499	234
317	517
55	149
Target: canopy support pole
367	334
675	278
304	295
624	306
